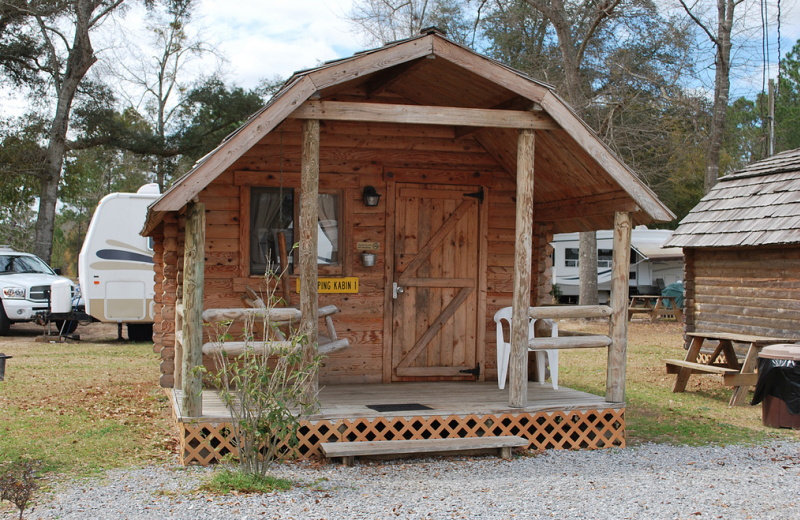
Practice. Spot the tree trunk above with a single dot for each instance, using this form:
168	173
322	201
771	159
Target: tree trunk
587	265
81	58
722	83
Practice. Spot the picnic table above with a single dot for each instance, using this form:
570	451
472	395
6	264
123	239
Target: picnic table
739	376
655	306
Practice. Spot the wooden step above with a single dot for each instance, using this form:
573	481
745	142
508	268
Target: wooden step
349	450
699	368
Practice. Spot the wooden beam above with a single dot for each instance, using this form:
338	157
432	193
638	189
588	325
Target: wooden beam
193	281
618	351
423	115
388	273
523	255
514	103
570	311
309	217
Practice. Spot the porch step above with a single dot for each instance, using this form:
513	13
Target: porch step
349	450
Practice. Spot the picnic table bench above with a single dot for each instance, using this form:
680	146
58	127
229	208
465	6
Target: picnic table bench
739	376
653	305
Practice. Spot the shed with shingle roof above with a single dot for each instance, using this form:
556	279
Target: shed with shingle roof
742	249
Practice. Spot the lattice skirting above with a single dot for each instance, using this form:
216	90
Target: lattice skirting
207	443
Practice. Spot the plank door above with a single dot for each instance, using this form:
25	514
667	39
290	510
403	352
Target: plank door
436	269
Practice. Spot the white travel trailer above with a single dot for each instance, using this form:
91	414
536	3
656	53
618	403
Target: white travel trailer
116	263
652	268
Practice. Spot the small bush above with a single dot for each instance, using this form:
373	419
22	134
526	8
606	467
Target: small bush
18	484
225	481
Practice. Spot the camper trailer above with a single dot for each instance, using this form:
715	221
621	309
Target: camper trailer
652	268
116	263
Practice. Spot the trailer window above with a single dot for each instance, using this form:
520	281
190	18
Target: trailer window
571	256
272	213
604	257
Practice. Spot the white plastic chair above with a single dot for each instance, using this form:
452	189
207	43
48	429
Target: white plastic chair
504	350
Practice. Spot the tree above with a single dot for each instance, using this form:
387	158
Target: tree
38	52
153	78
787	102
721	39
383	21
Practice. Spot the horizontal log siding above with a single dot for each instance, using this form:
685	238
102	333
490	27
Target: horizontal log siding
745	291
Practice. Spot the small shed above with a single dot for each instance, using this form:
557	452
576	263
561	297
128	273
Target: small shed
741	247
454	171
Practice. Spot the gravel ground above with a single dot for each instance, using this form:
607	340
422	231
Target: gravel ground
650	481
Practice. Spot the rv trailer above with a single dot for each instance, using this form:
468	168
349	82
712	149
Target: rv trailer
116	263
652	268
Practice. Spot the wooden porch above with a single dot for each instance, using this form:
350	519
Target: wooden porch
552	419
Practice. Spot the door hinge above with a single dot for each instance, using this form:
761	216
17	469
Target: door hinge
477	195
473	371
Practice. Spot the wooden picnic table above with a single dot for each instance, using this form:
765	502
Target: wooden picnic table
740	376
653	305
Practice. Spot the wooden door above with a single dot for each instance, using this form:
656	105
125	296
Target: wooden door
436	271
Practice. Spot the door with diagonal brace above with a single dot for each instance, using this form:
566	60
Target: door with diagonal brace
436	277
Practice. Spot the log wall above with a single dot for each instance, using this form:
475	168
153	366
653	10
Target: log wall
352	156
745	291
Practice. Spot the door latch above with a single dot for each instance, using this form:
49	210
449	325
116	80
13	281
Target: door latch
396	289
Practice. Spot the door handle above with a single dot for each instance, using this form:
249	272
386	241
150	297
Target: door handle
396	289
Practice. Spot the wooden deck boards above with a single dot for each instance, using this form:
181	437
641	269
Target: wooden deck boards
444	399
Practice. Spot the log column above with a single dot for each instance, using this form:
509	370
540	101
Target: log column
523	255
618	351
193	280
309	191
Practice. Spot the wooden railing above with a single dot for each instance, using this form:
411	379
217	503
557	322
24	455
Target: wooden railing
615	378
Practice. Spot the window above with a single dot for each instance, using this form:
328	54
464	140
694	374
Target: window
571	257
604	257
272	213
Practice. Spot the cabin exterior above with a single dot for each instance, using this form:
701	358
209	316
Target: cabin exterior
477	166
741	246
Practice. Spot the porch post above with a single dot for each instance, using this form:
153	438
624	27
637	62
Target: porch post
193	280
617	352
523	256
309	190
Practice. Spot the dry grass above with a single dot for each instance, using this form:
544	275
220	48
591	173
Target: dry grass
84	406
700	415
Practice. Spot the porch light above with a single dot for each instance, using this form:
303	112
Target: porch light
371	197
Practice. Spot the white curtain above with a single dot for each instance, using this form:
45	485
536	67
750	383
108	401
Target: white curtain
268	205
329	221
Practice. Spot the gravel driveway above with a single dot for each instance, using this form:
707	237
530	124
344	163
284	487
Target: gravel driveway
651	481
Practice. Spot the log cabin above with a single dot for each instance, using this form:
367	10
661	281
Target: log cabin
434	179
741	245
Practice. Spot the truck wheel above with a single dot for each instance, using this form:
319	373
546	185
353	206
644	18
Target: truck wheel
69	328
5	323
140	332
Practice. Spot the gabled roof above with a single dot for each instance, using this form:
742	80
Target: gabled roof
756	206
492	84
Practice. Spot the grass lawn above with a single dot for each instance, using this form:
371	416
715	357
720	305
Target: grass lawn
83	406
700	415
95	404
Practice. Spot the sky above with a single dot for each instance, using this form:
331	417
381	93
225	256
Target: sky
265	38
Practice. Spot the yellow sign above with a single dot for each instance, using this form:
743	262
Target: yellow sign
368	246
335	285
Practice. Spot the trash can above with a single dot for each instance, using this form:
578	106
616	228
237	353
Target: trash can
3	358
779	386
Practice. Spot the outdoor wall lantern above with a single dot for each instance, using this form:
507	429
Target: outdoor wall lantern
371	197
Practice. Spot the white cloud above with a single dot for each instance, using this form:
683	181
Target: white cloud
262	38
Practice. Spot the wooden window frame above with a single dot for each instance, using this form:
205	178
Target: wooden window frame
245	195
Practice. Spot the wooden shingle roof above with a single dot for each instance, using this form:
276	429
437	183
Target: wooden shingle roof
756	206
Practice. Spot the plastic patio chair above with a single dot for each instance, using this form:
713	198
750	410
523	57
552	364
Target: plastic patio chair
504	350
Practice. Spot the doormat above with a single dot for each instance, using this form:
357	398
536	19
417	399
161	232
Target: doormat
402	407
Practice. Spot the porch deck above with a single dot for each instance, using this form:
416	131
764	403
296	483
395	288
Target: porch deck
338	402
560	419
